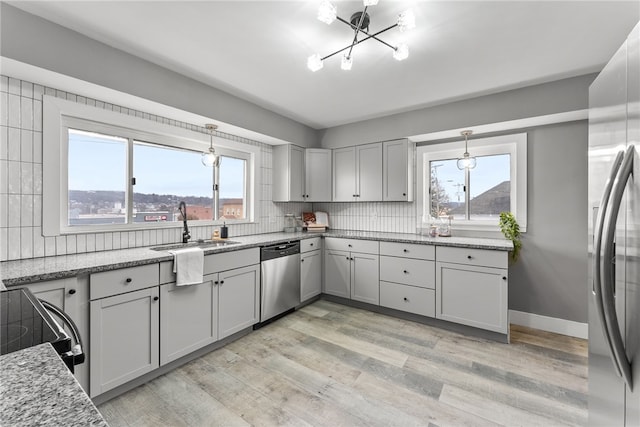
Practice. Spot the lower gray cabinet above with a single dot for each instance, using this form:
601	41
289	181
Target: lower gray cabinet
238	299
188	318
337	273
352	275
310	274
412	299
124	336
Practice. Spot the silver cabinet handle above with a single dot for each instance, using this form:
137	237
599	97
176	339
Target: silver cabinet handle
607	281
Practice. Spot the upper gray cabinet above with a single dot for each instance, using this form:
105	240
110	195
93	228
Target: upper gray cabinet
397	171
301	175
357	173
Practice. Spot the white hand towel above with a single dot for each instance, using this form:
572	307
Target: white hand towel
188	264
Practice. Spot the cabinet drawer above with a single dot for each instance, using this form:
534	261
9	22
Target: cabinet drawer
116	282
468	256
307	245
408	298
408	250
229	260
408	271
352	245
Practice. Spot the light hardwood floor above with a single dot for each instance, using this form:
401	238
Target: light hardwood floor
332	365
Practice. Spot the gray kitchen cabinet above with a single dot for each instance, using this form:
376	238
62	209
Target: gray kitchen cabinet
238	299
352	273
288	173
310	268
188	318
357	173
124	338
317	167
397	171
472	287
72	296
407	277
301	175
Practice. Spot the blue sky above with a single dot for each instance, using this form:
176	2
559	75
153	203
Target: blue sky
98	163
489	171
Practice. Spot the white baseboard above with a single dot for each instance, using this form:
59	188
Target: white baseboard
549	324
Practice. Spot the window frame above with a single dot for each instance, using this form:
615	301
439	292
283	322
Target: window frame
515	145
59	115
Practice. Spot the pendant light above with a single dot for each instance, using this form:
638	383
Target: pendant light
210	158
466	162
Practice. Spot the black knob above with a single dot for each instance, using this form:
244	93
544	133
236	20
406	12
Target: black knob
348	258
310	244
156	298
128	280
72	291
405	250
221	282
216	282
355	195
301	260
468	256
405	271
349	245
406	299
504	277
404	194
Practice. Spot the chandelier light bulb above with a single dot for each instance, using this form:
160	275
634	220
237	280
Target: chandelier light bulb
406	20
327	12
401	52
346	63
466	161
209	159
314	62
370	2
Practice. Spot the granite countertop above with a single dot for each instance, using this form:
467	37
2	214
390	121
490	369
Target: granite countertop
20	272
36	388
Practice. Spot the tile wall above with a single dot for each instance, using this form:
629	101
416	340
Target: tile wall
21	207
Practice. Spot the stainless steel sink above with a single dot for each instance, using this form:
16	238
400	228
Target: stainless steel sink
197	244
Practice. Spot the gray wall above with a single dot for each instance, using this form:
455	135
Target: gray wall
35	41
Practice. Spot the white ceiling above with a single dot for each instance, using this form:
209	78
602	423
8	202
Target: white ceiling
257	50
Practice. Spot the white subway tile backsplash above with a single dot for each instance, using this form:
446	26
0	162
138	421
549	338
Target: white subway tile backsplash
37	115
4	84
13	111
61	245
4	238
81	243
14	86
4	108
100	246
13	144
13	211
26	210
38	242
91	242
26	113
26	89
49	246
37	210
38	91
26	145
26	242
26	178
4	142
72	244
4	210
13	243
37	147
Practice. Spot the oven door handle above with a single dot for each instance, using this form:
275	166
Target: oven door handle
77	352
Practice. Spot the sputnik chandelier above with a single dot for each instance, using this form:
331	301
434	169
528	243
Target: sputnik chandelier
359	23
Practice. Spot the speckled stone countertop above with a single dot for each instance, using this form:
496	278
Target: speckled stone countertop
13	273
37	389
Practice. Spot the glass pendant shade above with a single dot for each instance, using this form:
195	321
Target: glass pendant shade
347	62
466	162
314	62
327	12
209	159
401	52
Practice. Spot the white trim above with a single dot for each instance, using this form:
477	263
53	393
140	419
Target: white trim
550	324
549	119
514	144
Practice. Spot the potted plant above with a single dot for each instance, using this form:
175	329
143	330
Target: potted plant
511	230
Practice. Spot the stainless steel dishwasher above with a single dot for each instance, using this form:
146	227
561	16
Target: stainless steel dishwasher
280	283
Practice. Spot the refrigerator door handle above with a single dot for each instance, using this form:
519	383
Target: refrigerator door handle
618	351
597	251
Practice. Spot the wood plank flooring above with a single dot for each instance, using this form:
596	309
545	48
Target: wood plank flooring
332	365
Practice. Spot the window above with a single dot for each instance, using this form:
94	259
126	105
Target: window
473	198
108	171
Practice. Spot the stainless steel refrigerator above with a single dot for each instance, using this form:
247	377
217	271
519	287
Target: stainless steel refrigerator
614	236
